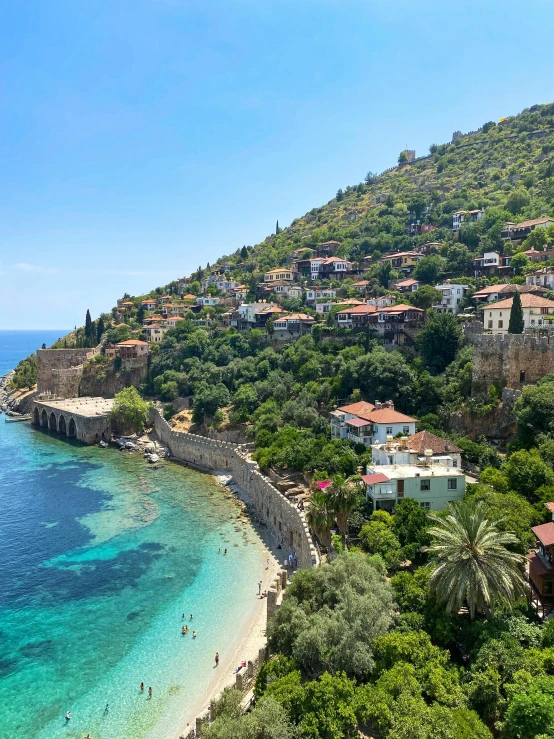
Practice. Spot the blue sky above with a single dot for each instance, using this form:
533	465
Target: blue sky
140	138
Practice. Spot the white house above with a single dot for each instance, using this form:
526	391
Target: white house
318	293
207	301
412	449
465	216
542	277
496	317
452	295
367	424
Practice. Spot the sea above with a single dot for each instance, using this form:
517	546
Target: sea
100	558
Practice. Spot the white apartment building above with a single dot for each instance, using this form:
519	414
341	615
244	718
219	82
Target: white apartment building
452	296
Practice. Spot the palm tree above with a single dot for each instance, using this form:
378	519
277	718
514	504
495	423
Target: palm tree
320	518
342	496
473	566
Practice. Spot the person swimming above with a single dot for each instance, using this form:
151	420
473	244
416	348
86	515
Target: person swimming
149	692
194	634
183	631
142	687
216	659
68	716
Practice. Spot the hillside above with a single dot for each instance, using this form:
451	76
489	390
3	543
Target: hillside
505	168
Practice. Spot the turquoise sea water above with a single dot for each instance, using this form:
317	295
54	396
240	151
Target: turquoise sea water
99	557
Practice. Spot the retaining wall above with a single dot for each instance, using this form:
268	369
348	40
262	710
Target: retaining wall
281	516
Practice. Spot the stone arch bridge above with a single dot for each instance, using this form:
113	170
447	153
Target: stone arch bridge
85	419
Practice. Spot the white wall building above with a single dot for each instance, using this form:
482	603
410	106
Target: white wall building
452	296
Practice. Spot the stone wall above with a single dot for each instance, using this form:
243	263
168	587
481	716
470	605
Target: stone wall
101	380
499	425
514	360
281	516
59	370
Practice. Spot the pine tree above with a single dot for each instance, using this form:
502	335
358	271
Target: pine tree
100	328
244	252
88	325
277	229
516	324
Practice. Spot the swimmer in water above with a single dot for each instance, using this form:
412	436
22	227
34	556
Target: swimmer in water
142	687
149	692
68	716
194	634
216	659
183	631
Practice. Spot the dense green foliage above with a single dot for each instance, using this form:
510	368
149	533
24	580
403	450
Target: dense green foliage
25	375
129	410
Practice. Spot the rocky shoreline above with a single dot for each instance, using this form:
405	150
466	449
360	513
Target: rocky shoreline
9	402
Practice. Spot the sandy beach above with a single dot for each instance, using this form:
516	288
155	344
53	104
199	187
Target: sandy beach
249	640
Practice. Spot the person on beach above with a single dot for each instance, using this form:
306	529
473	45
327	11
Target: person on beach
68	716
216	659
260	588
267	564
149	692
142	687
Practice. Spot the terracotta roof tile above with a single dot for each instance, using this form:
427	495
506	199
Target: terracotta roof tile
545	533
426	440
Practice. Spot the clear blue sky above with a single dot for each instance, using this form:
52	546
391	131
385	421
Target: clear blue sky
140	138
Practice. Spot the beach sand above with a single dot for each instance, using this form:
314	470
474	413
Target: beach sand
249	640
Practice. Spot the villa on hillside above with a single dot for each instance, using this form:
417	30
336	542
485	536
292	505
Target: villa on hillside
407	286
412	450
465	216
149	304
490	263
281	274
432	484
452	296
398	324
496	317
543	277
368	423
292	325
129	349
404	260
541	566
520	231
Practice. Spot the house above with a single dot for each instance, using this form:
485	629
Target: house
541	566
361	286
452	295
304	251
404	260
365	423
432	484
327	249
190	298
173	309
128	305
416	229
149	304
542	277
155	332
496	317
383	302
129	349
256	315
319	293
398	324
465	216
490	262
307	268
488	294
334	268
292	325
407	286
172	321
164	299
355	316
206	301
281	274
411	450
520	231
537	256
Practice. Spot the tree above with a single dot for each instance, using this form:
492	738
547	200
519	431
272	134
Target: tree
425	297
342	499
207	399
438	340
519	262
473	566
321	518
100	328
516	324
531	713
428	269
277	229
370	178
340	195
517	200
270	328
525	472
534	411
403	157
377	537
244	253
88	326
130	410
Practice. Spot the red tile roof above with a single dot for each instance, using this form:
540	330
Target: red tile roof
545	533
489	289
407	283
375	477
528	300
537	565
534	222
132	342
387	415
360	409
426	440
358	422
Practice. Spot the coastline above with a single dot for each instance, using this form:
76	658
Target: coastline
248	642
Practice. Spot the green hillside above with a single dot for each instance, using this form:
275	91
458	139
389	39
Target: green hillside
506	168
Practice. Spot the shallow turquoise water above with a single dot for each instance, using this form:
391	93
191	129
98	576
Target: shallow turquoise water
99	558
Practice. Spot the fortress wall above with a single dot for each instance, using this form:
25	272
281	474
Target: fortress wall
281	516
52	367
515	360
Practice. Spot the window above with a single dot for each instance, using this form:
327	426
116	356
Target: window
452	483
500	324
425	505
490	324
405	429
522	376
389	430
425	484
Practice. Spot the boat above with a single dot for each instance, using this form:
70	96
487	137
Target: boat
13	419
